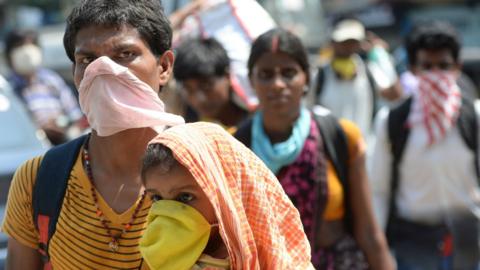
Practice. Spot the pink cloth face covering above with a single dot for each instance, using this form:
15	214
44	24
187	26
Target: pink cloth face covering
114	99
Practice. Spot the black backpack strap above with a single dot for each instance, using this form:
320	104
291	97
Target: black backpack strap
336	147
468	126
320	82
49	191
398	132
244	132
373	90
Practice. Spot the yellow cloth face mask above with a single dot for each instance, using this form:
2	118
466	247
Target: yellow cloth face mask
345	67
176	236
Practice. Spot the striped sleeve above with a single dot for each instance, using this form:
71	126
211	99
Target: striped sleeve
18	221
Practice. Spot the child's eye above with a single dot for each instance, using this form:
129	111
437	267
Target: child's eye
155	197
185	198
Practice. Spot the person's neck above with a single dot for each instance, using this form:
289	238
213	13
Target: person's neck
28	78
217	249
121	153
279	128
231	115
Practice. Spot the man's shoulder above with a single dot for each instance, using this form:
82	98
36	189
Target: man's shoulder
26	173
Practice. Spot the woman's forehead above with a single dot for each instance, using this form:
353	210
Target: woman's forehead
277	59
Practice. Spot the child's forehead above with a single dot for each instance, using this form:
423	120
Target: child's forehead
175	177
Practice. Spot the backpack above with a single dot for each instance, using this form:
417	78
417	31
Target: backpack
49	191
398	133
336	148
320	82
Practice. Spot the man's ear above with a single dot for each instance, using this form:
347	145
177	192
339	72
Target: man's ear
165	67
77	84
73	69
458	69
458	66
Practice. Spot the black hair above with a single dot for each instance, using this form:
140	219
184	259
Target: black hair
433	35
200	58
158	155
17	38
279	40
147	16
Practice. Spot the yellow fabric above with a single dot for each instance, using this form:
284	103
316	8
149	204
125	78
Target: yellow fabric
80	240
335	208
345	67
175	237
259	225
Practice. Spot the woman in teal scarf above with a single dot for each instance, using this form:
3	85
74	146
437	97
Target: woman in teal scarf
337	215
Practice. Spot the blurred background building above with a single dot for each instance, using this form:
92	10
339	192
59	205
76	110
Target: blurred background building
308	18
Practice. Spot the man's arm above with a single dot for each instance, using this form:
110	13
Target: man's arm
178	17
392	93
22	257
18	221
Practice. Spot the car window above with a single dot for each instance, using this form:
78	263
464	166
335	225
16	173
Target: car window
16	127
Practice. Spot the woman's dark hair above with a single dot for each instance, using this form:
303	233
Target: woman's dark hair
17	38
158	155
279	40
433	35
200	58
147	16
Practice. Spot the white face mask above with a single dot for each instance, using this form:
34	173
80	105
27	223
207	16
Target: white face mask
26	59
114	100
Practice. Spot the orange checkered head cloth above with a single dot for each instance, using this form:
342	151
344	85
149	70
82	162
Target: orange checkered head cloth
258	223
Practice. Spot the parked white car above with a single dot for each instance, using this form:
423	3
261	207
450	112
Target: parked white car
20	140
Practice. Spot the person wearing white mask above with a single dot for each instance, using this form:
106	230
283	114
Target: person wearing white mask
46	95
121	59
425	170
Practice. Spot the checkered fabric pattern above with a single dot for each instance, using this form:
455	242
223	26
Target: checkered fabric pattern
259	224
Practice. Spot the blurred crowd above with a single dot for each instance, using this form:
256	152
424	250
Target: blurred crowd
382	164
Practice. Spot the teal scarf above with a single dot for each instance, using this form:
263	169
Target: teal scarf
280	154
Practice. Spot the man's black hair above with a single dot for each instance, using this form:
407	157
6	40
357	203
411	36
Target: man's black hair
200	58
158	155
147	16
17	38
433	35
286	42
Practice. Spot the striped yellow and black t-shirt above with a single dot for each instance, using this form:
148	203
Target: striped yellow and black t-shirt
80	240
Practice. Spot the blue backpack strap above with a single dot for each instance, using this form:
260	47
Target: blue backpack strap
336	148
49	190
